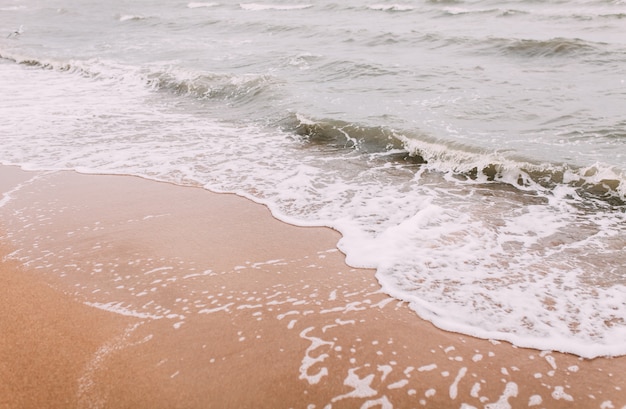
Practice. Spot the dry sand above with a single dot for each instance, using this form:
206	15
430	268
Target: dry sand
119	292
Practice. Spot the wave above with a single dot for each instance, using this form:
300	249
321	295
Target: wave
596	182
555	47
618	16
195	5
43	64
211	86
455	11
343	135
263	7
130	17
599	184
12	8
346	69
200	85
391	7
511	13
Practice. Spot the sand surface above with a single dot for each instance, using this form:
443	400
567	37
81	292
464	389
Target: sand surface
118	292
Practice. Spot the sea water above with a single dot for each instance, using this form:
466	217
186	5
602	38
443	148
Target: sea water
473	152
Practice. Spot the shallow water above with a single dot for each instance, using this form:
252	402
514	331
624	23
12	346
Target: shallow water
472	151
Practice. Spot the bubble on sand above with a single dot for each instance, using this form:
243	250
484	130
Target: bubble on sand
455	385
308	361
361	386
559	393
510	390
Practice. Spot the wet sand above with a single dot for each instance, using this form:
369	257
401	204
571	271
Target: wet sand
118	292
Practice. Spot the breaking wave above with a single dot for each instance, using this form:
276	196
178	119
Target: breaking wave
599	182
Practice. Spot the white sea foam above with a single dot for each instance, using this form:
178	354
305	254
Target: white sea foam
399	384
427	368
474	393
454	388
309	361
510	391
559	394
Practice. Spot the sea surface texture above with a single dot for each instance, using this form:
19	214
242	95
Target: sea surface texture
473	152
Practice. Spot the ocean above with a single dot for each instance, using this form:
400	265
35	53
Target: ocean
473	152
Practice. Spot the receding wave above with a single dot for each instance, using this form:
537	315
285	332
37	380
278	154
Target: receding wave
597	183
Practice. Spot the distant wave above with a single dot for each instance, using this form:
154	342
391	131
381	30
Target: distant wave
391	7
462	10
336	70
445	1
555	47
211	86
130	17
12	8
201	85
453	11
261	7
618	16
195	5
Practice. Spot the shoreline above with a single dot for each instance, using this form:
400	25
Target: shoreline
167	296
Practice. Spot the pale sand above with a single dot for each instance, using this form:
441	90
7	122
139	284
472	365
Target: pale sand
219	305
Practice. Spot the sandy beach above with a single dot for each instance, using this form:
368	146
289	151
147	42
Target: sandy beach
119	292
